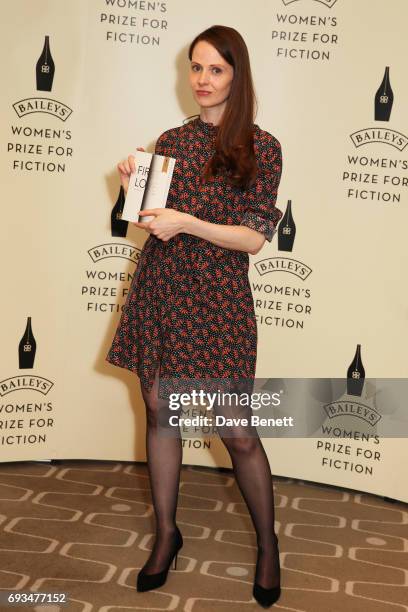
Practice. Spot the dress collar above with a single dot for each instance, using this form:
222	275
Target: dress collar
206	125
207	128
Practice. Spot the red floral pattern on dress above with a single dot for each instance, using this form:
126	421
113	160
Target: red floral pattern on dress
190	309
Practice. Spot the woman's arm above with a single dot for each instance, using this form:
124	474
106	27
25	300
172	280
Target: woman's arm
168	222
236	237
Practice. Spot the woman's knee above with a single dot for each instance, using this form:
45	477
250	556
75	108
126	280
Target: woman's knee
155	406
241	445
157	413
151	415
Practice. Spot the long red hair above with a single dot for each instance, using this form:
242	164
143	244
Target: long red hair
234	145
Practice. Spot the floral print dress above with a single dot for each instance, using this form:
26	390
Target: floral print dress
190	310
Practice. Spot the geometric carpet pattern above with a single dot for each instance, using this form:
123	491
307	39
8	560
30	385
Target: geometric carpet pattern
85	528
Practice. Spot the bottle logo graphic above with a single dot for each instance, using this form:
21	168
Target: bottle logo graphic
286	230
45	68
118	225
356	374
383	102
27	348
384	98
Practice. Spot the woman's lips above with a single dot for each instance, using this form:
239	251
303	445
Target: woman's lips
203	93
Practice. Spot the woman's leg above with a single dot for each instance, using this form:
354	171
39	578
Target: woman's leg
254	478
164	456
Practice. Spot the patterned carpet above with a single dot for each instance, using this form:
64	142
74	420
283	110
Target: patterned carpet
85	528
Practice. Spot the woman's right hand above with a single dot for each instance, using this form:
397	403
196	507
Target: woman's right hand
125	169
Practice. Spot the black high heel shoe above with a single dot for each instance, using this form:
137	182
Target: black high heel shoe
267	597
147	582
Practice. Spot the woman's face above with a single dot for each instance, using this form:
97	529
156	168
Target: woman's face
210	75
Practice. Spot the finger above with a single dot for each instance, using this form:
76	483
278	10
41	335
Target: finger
151	211
140	149
131	161
126	167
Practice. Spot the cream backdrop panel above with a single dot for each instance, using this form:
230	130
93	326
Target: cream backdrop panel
121	80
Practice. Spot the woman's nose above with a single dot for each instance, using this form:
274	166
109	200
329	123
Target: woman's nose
203	77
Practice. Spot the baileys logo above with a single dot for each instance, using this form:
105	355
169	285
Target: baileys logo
383	103
27	348
355	386
25	383
328	3
283	264
371	135
114	249
286	238
44	75
352	409
28	106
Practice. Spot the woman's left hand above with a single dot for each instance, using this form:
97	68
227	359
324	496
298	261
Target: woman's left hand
167	222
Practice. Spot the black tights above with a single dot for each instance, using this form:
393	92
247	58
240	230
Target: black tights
252	473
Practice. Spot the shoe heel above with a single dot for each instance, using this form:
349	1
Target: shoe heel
148	582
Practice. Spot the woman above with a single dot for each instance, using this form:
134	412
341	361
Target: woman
190	311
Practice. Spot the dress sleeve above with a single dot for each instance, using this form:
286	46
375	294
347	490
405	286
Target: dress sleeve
260	212
163	144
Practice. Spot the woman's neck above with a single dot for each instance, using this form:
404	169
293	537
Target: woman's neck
213	114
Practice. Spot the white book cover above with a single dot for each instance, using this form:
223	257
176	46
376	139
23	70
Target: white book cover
148	186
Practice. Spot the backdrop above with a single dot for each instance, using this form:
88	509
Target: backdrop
84	84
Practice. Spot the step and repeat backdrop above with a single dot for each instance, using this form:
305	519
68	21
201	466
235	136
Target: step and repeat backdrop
84	84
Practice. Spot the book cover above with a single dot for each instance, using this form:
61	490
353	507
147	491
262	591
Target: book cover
148	186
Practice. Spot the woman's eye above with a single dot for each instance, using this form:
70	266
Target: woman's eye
197	68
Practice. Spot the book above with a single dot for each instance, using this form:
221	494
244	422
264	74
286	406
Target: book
148	186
